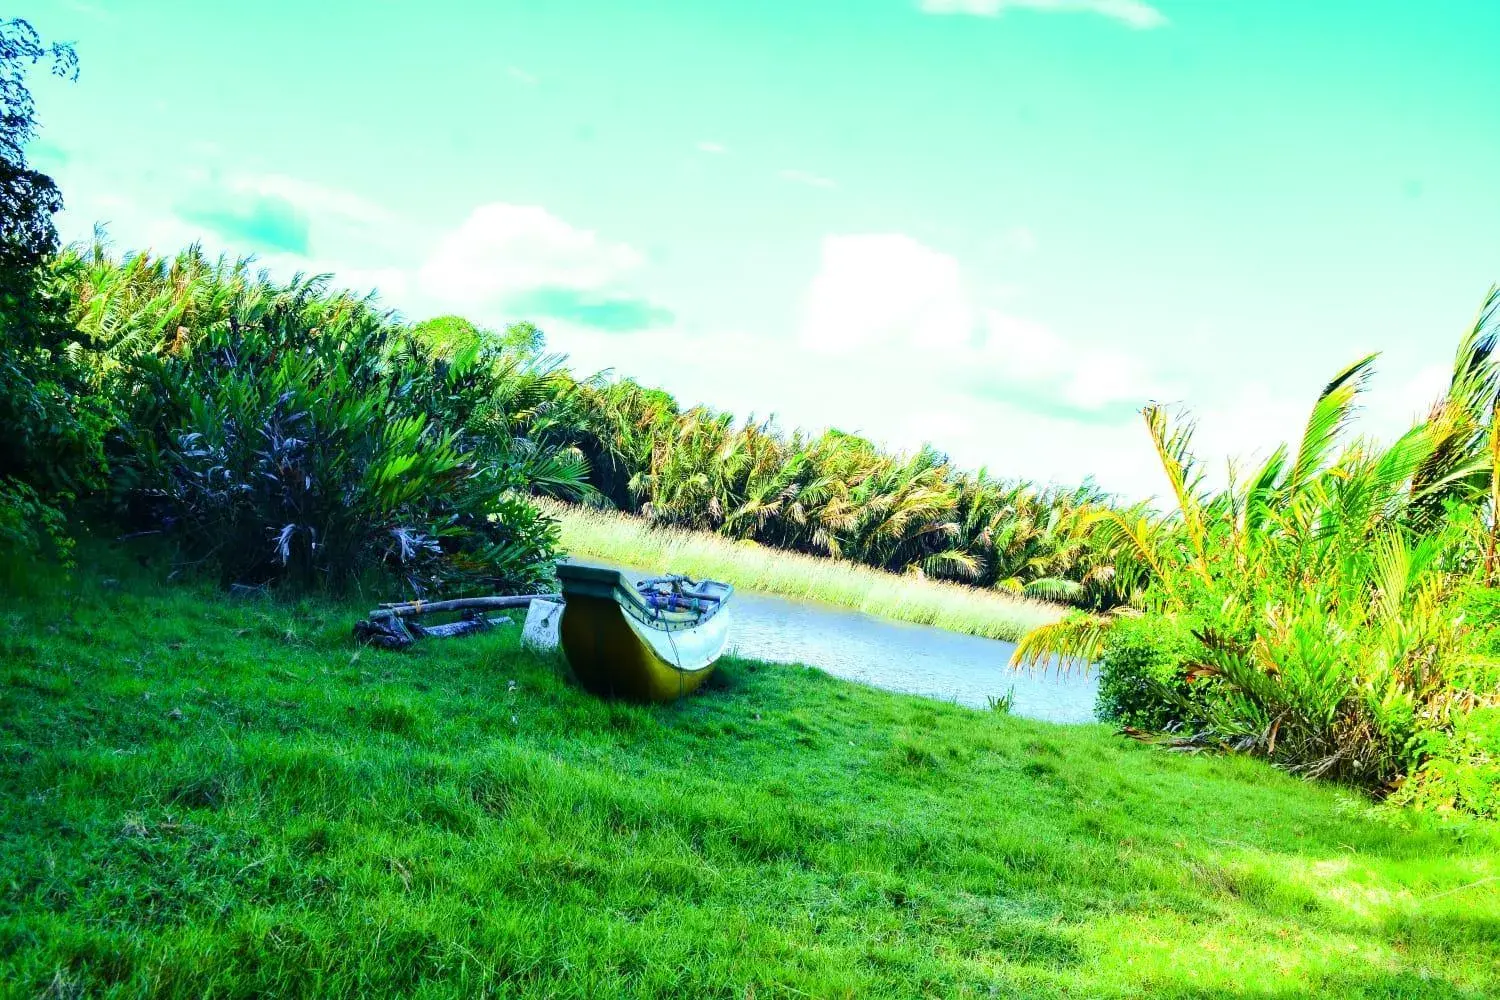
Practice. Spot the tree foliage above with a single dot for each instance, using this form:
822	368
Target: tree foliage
285	431
49	450
1323	593
839	495
28	198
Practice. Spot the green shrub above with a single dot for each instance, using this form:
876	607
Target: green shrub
1460	762
1141	679
53	427
304	437
1321	593
52	444
1481	612
1461	772
30	526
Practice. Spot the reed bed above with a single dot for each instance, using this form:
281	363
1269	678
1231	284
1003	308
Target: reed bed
632	541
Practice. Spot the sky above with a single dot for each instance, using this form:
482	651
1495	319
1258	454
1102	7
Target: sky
998	226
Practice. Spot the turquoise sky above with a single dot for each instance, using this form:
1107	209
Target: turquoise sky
999	225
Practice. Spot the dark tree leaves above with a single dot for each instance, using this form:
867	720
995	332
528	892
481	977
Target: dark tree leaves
51	446
28	199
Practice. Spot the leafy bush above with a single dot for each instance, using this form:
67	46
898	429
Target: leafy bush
1460	772
1481	611
1316	604
30	526
1142	680
306	437
54	425
1461	769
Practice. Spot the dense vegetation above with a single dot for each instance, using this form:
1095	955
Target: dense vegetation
1334	610
626	540
837	494
291	433
307	434
204	796
49	443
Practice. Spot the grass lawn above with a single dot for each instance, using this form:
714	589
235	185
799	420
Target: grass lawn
205	797
632	541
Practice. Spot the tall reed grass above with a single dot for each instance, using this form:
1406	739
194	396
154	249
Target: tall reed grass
631	541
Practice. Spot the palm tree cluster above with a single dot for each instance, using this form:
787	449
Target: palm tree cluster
838	495
1322	607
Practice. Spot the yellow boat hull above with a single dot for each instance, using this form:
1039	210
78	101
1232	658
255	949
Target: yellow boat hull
610	659
655	639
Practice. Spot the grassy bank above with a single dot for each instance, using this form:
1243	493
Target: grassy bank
209	797
630	541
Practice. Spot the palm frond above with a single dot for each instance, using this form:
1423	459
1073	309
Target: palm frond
1329	417
1075	643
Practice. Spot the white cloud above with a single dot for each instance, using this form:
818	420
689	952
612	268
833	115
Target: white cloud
888	294
502	249
519	75
1020	352
923	357
707	146
885	290
1135	13
1394	405
810	179
314	199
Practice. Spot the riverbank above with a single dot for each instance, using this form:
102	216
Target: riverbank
631	541
208	796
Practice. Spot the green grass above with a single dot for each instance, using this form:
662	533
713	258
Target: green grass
204	797
631	541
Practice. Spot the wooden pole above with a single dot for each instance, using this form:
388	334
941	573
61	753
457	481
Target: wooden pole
458	604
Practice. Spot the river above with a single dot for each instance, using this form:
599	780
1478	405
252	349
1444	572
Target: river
916	659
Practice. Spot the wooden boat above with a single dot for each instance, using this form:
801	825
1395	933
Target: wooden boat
654	639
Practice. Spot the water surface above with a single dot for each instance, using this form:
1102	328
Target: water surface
916	659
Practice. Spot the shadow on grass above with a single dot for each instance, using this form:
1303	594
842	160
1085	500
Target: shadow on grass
1355	985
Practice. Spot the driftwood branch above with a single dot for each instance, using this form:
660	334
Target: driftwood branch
399	633
464	626
415	608
395	626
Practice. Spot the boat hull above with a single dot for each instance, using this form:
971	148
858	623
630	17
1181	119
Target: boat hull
616	654
611	657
